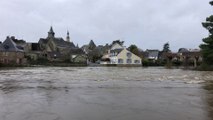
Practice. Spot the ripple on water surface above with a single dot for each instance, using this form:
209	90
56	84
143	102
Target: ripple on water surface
104	93
71	77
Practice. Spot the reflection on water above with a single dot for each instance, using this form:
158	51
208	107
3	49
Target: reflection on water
105	93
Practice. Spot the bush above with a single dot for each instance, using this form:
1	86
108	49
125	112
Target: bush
145	62
177	63
205	67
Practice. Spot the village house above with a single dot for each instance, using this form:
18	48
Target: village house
152	55
33	51
11	53
187	57
93	52
190	55
78	56
89	47
120	56
57	49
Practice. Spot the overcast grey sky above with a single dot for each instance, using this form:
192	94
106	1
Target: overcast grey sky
146	23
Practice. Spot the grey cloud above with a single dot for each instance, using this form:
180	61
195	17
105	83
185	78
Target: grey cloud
147	23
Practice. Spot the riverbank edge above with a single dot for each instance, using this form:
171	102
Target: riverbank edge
199	68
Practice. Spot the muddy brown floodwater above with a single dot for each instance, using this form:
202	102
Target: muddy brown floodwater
105	93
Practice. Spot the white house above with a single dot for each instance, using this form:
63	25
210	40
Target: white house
119	55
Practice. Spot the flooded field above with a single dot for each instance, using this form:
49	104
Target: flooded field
105	93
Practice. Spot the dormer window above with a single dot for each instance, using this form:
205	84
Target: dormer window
129	54
6	47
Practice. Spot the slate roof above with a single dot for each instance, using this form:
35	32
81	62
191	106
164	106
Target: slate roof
18	42
58	41
92	44
116	51
153	53
182	50
61	43
43	41
76	51
1	47
10	46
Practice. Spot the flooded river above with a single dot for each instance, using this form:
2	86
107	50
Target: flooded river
105	93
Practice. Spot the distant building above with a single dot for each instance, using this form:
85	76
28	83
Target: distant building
89	47
78	56
152	55
93	52
33	51
190	55
11	53
56	48
119	55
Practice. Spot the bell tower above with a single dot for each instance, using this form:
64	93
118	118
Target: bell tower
51	33
68	37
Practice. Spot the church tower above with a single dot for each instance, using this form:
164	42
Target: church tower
68	37
51	33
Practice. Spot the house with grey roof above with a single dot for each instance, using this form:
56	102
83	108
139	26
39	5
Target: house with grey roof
78	56
152	55
190	55
11	53
89	47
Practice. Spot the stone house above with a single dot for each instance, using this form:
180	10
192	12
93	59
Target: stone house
11	53
56	48
33	51
190	55
78	56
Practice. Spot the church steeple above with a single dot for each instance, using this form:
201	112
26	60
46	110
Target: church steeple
51	32
68	37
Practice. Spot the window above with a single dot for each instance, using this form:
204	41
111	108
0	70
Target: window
129	55
120	61
6	47
137	62
113	61
129	61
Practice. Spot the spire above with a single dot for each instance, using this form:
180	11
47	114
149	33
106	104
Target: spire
68	36
92	45
51	32
51	29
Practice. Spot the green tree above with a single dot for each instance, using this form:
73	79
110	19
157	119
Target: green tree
166	56
207	46
166	48
134	49
94	55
